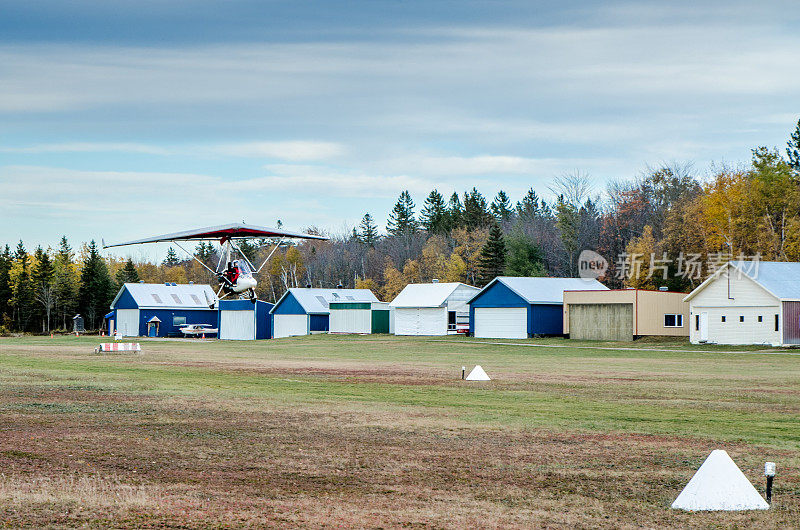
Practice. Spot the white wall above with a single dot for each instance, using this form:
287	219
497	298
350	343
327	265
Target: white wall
237	325
128	322
459	296
350	321
748	300
289	325
420	321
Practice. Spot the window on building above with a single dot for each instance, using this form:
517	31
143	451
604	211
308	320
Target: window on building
178	321
176	298
697	322
723	318
156	298
760	318
451	320
195	298
776	322
741	318
674	321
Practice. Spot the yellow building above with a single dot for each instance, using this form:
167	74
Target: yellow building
625	314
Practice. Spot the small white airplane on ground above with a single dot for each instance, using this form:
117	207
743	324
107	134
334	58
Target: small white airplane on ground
235	275
197	330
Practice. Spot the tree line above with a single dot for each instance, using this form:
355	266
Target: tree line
651	229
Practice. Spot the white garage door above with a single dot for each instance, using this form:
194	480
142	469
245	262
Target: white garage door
406	321
290	325
432	320
420	321
350	321
501	322
128	322
237	325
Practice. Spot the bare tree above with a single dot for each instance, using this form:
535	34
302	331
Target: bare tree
46	295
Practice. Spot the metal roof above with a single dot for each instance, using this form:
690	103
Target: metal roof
780	278
315	300
230	231
427	294
172	296
542	290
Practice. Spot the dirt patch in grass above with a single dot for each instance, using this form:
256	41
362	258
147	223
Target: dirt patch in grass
180	463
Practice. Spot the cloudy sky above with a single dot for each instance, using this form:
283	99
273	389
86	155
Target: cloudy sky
121	119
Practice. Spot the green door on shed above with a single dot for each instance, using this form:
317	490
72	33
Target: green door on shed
380	321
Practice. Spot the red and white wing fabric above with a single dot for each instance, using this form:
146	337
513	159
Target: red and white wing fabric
222	233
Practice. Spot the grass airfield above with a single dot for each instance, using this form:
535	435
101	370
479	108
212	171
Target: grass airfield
379	431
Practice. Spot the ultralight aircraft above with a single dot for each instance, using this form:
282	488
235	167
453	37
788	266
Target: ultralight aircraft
236	275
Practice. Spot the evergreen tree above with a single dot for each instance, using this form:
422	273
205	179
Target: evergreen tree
5	285
476	211
250	250
42	282
501	207
96	290
528	207
524	257
127	274
22	290
492	261
65	283
367	231
401	219
204	251
434	213
172	258
455	212
793	150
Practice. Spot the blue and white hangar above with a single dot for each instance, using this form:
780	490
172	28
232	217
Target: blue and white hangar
519	307
159	309
245	320
302	311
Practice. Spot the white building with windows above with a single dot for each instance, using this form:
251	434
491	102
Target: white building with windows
747	302
432	308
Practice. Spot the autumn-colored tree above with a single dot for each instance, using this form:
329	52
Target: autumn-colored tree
641	254
393	282
455	269
468	246
368	283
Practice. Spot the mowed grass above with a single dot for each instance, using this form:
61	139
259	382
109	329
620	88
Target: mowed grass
378	431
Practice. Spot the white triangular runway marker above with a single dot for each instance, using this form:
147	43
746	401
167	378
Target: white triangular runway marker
719	484
477	374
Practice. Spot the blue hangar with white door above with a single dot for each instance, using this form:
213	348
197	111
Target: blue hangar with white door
518	308
159	309
245	320
303	311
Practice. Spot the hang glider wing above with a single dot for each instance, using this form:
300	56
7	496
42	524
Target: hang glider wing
230	231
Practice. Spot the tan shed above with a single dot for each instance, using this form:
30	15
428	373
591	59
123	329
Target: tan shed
625	314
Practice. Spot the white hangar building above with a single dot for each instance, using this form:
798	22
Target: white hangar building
432	309
747	302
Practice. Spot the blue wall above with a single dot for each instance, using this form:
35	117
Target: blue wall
193	316
289	305
546	319
319	322
126	301
263	320
543	319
